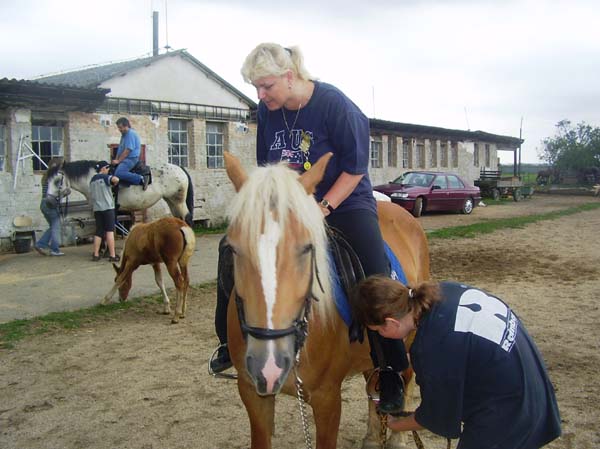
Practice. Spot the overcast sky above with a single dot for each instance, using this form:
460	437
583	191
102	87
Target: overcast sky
464	64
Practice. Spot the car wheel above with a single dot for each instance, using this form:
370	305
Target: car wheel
468	206
418	207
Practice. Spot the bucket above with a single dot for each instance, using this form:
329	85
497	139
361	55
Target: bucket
22	245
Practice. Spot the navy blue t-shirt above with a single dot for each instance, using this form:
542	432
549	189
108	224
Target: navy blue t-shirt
330	122
476	364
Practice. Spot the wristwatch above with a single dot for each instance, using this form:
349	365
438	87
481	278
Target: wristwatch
325	204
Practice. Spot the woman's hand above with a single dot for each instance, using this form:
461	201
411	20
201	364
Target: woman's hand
403	424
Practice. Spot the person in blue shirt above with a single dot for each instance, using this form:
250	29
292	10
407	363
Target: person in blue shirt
128	154
481	376
299	120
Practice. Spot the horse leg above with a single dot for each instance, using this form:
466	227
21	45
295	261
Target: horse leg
186	286
173	268
118	281
261	412
327	409
159	281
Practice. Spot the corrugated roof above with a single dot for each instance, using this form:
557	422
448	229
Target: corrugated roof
423	130
94	76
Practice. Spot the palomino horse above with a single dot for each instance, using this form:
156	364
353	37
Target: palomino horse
169	182
283	294
168	240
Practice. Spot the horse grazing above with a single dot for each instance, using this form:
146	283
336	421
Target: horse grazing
169	182
168	240
283	293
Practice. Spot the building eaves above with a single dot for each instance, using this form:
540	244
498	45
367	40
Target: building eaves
426	131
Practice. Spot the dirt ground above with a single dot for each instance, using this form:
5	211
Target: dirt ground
134	381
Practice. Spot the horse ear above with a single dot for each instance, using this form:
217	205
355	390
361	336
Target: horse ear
312	177
235	171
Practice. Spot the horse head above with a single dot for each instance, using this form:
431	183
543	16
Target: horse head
277	235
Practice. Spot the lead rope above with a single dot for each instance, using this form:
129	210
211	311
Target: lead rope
302	406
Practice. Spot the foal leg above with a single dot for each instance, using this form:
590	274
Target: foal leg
173	268
186	286
159	281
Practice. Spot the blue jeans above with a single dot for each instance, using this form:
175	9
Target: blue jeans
50	238
124	174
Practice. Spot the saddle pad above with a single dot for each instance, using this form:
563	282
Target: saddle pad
341	300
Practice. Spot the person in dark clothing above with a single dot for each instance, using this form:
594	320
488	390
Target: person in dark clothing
299	120
103	205
482	379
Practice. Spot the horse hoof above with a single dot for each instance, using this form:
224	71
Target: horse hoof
174	321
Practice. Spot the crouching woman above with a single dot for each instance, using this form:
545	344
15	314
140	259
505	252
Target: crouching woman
481	377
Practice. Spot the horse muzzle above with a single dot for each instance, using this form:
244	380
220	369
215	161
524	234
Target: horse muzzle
268	363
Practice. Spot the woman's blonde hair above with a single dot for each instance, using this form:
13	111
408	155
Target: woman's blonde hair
270	59
380	297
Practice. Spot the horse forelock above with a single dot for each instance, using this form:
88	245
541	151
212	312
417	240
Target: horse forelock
273	193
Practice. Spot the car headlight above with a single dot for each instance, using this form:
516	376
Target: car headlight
399	195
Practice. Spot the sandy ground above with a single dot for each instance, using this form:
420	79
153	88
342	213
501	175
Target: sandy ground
132	380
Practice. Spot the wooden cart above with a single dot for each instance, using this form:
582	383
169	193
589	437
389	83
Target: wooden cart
493	185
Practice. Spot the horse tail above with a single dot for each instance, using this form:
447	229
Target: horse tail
189	199
189	245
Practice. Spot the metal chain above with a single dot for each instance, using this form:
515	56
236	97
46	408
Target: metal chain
382	430
302	405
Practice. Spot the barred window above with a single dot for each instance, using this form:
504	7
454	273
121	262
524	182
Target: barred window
444	154
433	153
215	140
3	135
476	155
454	151
376	151
420	155
178	142
487	155
405	154
392	152
47	141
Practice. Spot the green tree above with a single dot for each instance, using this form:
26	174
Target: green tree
573	147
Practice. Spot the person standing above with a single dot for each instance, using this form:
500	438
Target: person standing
481	376
49	243
299	120
103	205
128	155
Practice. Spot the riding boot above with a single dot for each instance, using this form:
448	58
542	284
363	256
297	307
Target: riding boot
390	356
224	288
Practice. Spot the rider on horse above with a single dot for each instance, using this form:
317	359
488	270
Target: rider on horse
128	155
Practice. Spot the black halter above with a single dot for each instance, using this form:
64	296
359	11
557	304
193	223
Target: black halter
299	327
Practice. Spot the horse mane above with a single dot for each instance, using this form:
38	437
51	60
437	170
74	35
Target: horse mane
75	169
275	191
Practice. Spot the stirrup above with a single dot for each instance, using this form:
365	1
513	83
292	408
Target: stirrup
219	375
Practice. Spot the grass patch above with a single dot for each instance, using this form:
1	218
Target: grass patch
219	229
488	227
16	330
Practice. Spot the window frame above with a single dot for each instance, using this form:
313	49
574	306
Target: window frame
487	155
376	152
406	162
38	141
176	149
216	160
476	154
3	146
454	154
392	151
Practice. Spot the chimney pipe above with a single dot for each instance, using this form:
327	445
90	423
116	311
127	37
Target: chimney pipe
154	33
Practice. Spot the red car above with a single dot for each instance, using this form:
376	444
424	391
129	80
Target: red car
420	191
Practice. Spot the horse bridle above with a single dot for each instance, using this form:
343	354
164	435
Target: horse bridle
299	327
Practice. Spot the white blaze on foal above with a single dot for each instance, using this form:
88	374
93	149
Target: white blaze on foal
267	257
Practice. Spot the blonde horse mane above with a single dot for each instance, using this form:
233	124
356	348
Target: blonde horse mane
275	191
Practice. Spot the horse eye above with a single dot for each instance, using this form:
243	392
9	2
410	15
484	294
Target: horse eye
306	249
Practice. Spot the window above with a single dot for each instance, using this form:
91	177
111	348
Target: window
444	154
215	137
487	155
392	152
454	154
441	182
178	142
3	134
433	153
420	154
455	183
405	154
46	142
476	155
376	151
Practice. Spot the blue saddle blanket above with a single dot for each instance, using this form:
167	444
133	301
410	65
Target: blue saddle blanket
341	300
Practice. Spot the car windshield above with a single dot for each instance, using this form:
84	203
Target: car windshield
415	179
